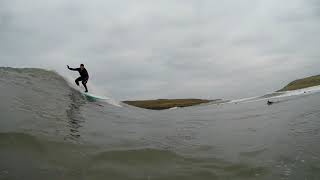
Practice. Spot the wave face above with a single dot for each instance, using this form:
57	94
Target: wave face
48	130
31	95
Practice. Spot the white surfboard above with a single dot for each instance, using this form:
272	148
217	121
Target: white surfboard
94	97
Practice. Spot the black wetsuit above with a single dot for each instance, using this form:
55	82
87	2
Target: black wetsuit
84	76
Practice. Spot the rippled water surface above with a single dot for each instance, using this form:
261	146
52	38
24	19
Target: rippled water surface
50	131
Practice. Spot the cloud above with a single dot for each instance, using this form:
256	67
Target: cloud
166	49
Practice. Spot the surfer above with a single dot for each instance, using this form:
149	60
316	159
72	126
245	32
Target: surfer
84	76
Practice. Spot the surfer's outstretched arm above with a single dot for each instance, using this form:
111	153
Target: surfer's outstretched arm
72	69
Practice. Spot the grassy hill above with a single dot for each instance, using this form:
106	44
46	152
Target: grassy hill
161	104
302	83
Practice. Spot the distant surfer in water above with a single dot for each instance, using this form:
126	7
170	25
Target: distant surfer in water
270	102
84	76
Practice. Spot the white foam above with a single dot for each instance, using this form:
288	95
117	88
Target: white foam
173	108
104	99
283	94
101	98
243	99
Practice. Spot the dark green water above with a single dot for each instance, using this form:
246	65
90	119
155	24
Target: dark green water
50	131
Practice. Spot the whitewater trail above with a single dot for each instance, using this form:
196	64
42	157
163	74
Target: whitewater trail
278	95
97	96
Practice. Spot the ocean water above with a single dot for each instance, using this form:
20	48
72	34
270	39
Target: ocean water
48	130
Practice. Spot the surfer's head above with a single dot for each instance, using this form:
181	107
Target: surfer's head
81	66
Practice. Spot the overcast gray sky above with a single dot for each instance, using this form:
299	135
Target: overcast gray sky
167	48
